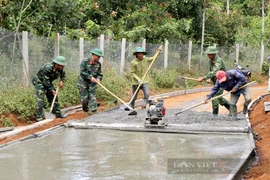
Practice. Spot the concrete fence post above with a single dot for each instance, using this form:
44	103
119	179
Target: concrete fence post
25	58
262	57
102	47
189	53
144	43
81	50
166	49
123	54
56	45
237	53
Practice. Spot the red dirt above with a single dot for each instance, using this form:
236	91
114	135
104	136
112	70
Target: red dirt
259	121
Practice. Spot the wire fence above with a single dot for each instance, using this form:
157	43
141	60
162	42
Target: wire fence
42	50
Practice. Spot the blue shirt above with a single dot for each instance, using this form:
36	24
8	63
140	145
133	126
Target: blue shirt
235	80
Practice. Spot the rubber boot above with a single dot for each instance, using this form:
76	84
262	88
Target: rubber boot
228	106
234	117
215	111
234	112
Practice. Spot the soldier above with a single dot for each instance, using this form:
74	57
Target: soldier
139	67
216	64
90	74
44	86
232	80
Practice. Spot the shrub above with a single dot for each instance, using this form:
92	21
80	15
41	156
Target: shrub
6	122
265	69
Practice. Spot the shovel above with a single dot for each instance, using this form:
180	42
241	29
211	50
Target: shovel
154	59
181	81
188	78
130	108
213	98
50	115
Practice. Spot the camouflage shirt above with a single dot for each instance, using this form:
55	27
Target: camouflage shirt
214	68
90	69
139	68
46	75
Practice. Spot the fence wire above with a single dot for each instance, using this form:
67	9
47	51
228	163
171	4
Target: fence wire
41	50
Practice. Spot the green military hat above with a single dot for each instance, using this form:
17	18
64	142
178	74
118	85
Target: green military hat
139	50
97	52
211	50
61	60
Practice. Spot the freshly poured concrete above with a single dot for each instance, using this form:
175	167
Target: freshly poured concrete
75	154
184	122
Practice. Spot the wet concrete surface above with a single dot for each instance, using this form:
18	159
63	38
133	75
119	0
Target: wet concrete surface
75	154
108	154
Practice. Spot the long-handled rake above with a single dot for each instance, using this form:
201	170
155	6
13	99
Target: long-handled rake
132	113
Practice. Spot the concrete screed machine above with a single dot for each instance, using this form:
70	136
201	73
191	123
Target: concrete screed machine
155	114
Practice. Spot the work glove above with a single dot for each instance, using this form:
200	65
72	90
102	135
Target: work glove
140	81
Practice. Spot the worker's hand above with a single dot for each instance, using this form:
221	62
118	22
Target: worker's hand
140	81
94	80
61	83
55	93
233	90
208	81
205	101
201	79
238	93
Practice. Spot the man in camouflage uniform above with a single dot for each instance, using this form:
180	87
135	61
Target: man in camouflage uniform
44	86
216	64
90	74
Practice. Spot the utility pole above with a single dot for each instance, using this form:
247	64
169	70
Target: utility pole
203	23
228	6
262	36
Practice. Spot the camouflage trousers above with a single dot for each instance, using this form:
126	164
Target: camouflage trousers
221	100
41	92
87	92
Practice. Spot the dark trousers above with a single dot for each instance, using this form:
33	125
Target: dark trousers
144	87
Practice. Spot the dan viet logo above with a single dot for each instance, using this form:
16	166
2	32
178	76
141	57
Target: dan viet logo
201	166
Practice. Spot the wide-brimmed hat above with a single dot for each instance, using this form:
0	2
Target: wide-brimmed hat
211	50
61	60
97	52
221	76
139	50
